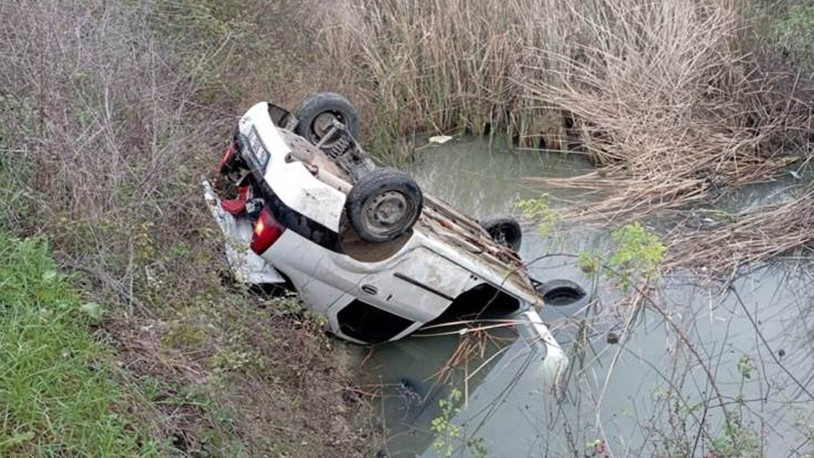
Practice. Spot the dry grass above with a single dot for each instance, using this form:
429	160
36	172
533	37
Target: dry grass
682	104
754	236
673	98
449	65
677	99
109	114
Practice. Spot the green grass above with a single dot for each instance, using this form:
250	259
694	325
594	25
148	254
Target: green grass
57	394
796	32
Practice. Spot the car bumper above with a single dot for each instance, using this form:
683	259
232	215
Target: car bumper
247	266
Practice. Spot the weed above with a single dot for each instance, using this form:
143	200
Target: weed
539	210
638	257
110	113
746	367
57	393
640	254
449	436
446	432
736	441
589	263
796	32
444	67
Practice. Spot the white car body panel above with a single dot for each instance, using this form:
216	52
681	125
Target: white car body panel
555	360
292	182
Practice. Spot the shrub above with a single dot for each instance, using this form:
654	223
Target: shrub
451	65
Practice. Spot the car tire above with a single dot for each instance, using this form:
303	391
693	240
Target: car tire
384	204
504	231
562	293
316	112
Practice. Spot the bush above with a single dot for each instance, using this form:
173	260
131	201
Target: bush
451	65
681	98
110	113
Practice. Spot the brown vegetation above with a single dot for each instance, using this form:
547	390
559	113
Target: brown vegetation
109	114
677	101
751	237
451	66
699	106
680	104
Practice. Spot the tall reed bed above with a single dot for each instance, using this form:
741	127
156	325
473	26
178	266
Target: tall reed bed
679	99
450	66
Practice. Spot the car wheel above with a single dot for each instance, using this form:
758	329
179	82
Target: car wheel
317	113
561	292
384	204
504	231
562	298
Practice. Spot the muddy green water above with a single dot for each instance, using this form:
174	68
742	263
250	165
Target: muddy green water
638	395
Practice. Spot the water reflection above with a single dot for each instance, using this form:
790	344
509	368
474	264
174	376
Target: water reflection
660	390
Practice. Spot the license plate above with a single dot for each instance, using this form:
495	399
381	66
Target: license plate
258	149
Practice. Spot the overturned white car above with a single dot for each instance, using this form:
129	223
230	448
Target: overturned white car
360	243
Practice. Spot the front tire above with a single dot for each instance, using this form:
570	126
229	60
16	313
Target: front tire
384	204
505	232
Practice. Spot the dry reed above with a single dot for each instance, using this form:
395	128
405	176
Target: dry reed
678	100
753	236
680	106
448	65
670	97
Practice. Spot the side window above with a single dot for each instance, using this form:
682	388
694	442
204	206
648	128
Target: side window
370	324
482	301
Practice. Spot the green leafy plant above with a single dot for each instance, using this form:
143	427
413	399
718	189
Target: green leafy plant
639	254
58	390
736	441
745	367
446	432
478	447
539	210
589	263
450	436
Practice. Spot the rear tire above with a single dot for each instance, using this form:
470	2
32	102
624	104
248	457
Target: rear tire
505	232
384	204
316	113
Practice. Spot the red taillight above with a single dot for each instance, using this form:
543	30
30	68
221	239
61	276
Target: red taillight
266	231
224	161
